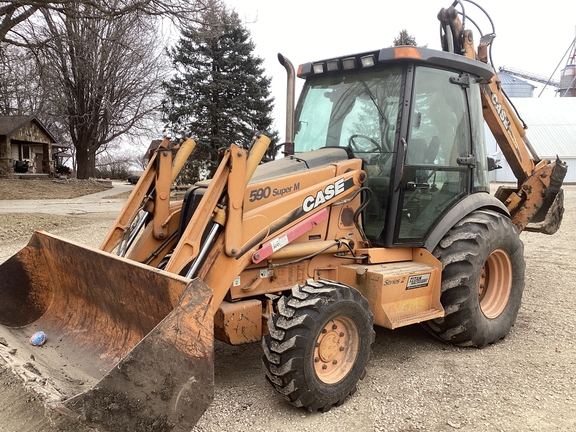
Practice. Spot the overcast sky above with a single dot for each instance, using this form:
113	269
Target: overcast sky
531	36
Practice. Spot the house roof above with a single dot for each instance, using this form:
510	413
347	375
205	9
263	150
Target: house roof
154	144
551	124
9	125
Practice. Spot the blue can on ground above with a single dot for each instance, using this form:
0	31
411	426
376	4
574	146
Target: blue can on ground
38	338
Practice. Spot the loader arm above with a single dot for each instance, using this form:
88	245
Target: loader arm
150	202
537	201
227	228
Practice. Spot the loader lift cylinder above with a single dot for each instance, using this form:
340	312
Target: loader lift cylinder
203	251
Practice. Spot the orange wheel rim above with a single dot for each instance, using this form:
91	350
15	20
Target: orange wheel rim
495	284
336	350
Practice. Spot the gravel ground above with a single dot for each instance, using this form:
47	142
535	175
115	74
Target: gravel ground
526	382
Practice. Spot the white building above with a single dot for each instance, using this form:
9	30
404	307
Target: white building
551	130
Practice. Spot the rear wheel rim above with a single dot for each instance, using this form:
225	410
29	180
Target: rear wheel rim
336	350
495	284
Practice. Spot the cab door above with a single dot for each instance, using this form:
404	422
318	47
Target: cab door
437	166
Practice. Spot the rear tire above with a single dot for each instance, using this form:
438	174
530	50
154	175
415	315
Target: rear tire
482	280
319	344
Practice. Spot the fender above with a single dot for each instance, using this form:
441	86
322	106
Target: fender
465	207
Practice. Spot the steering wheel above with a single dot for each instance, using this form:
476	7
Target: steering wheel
355	147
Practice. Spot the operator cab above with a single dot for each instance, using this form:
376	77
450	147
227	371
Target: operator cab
414	117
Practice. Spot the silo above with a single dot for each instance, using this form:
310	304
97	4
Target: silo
567	86
568	81
515	87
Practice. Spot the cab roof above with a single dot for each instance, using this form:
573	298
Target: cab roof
393	55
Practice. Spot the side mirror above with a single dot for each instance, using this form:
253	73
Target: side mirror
288	148
492	164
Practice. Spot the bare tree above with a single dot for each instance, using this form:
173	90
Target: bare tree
104	75
99	64
20	89
14	13
22	92
115	163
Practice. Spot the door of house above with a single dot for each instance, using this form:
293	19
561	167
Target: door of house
38	162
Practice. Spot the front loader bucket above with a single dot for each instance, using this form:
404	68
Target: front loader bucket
128	347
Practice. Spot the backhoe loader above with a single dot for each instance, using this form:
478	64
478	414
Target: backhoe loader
379	213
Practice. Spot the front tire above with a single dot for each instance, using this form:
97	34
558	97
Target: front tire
319	344
482	280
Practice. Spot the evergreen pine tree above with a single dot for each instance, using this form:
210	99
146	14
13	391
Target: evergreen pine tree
219	94
404	38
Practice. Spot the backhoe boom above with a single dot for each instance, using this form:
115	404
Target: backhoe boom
538	199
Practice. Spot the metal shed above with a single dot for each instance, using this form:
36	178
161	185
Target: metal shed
551	130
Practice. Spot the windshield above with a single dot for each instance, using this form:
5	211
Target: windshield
359	111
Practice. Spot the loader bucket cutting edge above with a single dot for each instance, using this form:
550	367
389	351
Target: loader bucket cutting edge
128	347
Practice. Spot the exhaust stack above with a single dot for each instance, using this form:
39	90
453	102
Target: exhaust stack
290	98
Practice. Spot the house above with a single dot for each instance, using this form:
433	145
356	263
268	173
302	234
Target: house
154	144
27	145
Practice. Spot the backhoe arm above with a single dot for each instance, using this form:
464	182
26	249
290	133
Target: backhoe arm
538	199
537	202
